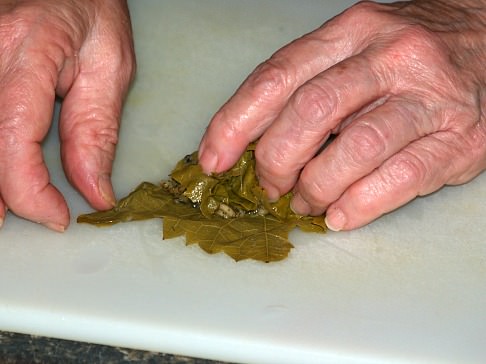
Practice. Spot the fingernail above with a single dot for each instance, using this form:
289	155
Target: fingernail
335	219
55	226
208	160
299	205
106	189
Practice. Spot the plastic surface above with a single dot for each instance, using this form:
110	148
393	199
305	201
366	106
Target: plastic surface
409	287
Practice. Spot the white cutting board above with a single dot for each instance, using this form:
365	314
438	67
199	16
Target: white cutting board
409	287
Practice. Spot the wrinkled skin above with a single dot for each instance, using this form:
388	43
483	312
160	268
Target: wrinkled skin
401	85
81	51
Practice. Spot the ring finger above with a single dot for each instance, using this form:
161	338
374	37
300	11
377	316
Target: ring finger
360	148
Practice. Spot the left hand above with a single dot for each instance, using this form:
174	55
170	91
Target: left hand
403	85
81	51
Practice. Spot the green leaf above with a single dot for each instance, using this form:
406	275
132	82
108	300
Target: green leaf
145	202
263	238
226	212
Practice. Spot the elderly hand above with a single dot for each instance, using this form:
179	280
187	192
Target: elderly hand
81	51
403	87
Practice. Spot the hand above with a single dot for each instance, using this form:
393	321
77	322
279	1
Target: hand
403	87
81	51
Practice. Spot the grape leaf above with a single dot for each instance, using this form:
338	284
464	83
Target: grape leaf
145	202
263	238
226	212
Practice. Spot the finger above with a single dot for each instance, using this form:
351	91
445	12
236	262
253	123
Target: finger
315	109
89	134
90	115
260	99
26	100
363	146
421	168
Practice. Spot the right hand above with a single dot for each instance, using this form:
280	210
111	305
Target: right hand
403	87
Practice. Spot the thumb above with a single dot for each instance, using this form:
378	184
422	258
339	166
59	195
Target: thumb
91	109
89	133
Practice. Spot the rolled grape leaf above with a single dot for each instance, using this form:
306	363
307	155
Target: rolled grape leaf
226	212
147	201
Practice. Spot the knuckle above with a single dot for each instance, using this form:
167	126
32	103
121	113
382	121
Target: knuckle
270	80
312	187
418	51
124	74
368	198
416	39
312	103
272	161
363	144
120	61
94	134
407	170
226	127
23	27
105	140
362	15
362	9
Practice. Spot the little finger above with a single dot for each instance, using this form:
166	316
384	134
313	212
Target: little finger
419	169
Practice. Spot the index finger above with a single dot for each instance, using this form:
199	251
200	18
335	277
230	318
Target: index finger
262	96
